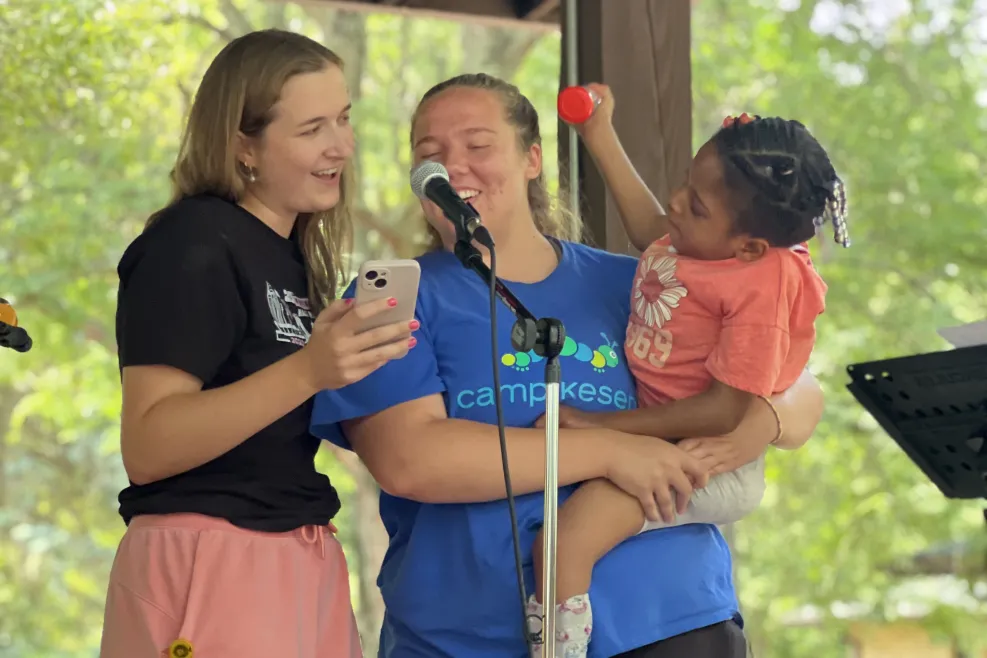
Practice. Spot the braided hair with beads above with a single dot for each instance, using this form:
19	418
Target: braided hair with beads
783	180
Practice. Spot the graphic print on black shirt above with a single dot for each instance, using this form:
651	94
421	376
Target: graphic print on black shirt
213	291
291	314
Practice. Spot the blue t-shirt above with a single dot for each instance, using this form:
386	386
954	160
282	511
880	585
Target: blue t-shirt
448	579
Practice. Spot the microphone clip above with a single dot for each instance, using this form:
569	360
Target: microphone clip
470	228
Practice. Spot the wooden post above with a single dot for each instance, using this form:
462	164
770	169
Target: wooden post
641	49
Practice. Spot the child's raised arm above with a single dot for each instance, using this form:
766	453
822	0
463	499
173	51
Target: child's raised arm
641	213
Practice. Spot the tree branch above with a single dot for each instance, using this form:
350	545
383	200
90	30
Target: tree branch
195	19
393	238
519	49
93	329
236	20
187	97
8	402
275	16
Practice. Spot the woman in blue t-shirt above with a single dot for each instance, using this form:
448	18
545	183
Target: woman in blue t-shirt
425	425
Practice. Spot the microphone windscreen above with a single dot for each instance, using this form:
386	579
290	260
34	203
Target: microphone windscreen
424	172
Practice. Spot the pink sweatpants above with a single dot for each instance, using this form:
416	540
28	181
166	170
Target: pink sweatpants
186	581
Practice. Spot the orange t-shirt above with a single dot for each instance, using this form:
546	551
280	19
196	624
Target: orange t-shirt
750	326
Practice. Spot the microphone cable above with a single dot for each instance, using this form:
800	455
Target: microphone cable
529	638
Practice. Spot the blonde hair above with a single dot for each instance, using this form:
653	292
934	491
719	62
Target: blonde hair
552	216
238	94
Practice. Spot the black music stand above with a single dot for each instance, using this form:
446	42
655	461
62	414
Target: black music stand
935	407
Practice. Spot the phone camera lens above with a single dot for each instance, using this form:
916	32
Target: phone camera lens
380	283
371	275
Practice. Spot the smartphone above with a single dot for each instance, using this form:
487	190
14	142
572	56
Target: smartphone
380	279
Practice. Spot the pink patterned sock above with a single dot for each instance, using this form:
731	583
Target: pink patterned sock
573	627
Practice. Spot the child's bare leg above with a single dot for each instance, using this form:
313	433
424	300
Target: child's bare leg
592	521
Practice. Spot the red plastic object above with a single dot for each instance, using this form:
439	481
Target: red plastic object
577	104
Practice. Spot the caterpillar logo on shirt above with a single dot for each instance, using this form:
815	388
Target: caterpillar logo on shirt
602	357
596	391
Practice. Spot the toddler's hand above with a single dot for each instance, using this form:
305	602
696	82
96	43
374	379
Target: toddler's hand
602	117
720	454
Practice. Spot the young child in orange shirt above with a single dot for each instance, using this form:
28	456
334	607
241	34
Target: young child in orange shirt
722	311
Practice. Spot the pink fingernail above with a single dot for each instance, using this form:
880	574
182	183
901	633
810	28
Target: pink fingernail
412	341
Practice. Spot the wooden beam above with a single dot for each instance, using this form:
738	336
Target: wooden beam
545	10
641	49
496	13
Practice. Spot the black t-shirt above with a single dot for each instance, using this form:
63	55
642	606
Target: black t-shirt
212	290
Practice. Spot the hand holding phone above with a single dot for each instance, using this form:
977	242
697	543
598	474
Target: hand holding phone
351	338
382	279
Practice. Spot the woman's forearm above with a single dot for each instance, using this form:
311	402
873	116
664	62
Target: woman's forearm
800	409
445	481
186	430
447	460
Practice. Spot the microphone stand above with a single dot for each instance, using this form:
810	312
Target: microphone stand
545	337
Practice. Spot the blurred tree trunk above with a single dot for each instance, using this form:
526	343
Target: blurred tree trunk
498	51
8	400
345	34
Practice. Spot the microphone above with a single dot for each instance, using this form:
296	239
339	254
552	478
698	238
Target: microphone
430	180
11	335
